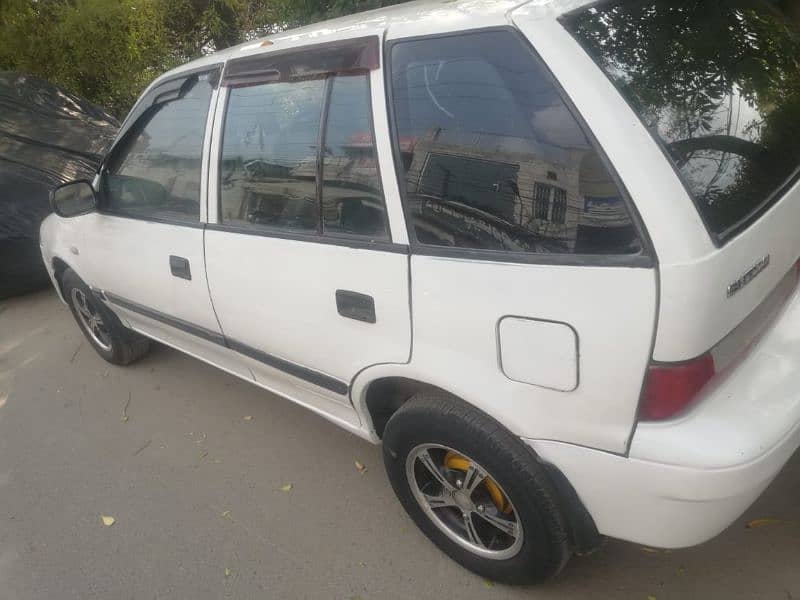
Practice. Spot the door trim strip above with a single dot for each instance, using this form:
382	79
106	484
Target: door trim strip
319	379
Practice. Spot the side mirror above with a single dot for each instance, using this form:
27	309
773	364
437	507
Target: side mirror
73	199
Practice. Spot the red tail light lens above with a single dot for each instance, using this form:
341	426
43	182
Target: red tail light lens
671	387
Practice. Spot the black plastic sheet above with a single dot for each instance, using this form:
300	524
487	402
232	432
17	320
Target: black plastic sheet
47	136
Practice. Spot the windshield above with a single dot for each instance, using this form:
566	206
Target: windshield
717	82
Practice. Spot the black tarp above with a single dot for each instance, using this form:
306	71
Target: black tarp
47	136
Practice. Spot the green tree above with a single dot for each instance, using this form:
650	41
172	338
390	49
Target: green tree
108	51
104	51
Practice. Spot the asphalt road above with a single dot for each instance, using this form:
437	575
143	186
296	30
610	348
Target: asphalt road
192	472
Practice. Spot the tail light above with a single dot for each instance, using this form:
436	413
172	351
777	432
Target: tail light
669	388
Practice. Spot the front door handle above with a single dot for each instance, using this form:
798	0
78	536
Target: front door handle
179	267
355	306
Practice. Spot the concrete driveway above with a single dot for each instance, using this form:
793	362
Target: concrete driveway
190	463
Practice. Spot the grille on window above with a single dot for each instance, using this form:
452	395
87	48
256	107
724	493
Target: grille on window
559	205
541	199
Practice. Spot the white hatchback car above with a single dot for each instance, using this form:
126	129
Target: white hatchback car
546	254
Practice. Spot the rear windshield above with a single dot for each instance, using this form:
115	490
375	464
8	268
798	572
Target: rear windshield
717	82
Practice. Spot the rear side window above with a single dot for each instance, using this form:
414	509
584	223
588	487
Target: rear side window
155	172
275	175
718	85
269	155
492	158
352	202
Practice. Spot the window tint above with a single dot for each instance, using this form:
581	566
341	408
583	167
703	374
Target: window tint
492	157
718	84
155	173
269	158
269	155
352	201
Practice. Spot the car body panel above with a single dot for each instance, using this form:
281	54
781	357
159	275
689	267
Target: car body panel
669	484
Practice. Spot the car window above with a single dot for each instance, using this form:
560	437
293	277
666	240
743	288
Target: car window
352	201
492	157
269	155
155	173
717	84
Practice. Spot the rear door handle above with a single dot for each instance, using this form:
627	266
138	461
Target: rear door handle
355	306
179	267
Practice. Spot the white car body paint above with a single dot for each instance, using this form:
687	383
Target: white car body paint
440	319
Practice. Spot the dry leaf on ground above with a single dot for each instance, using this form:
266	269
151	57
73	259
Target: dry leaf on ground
756	523
107	521
361	468
286	487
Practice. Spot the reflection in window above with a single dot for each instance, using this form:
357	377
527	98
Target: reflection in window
352	201
541	200
489	150
269	150
156	170
718	84
559	206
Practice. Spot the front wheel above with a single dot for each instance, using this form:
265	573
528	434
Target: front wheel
105	332
475	490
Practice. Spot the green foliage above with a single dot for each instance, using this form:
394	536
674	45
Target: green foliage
109	50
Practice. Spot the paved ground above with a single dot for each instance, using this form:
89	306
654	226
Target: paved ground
194	487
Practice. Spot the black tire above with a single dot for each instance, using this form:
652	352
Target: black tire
437	418
126	345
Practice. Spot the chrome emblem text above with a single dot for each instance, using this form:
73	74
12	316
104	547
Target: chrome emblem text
751	274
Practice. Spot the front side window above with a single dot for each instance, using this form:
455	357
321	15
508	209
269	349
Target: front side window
717	83
155	172
492	157
274	174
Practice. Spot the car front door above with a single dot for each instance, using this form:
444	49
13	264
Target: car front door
306	279
145	243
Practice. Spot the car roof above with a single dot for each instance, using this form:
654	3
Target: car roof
423	17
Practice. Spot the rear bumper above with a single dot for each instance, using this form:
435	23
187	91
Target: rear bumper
685	480
663	505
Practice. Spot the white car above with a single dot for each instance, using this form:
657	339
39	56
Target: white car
544	253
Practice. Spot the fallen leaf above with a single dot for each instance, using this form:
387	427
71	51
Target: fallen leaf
361	468
204	453
681	571
108	521
226	514
124	418
651	597
488	583
248	418
362	564
650	550
228	572
286	487
755	524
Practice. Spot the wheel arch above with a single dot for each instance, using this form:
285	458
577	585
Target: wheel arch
378	397
59	266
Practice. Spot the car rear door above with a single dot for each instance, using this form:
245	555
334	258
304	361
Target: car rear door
309	281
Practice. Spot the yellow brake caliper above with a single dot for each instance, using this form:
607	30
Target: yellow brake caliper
459	463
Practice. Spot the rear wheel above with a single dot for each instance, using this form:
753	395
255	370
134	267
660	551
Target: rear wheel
475	490
105	332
